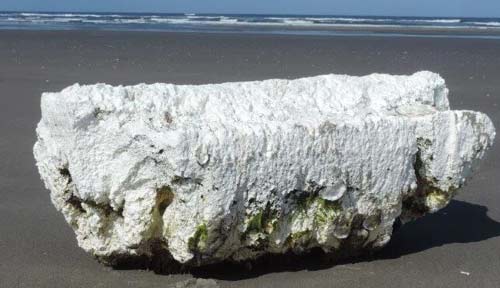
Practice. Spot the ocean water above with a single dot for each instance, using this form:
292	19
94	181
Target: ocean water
286	24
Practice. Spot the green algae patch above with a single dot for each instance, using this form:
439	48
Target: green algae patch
255	223
301	237
324	211
199	239
326	214
260	226
437	199
263	221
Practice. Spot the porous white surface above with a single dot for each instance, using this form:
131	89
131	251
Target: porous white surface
244	169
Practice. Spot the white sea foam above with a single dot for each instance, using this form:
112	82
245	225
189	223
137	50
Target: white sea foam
343	19
192	19
67	15
486	23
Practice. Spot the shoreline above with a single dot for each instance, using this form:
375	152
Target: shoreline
338	30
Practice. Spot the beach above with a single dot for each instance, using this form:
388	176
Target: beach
456	247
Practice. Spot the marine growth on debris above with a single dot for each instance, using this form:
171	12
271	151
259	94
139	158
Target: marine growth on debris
234	171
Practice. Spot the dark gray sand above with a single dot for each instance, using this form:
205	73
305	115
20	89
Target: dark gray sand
458	247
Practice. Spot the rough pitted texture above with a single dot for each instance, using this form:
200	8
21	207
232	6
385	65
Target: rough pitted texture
235	171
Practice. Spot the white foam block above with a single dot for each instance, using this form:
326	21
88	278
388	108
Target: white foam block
234	171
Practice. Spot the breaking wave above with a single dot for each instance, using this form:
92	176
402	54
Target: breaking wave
171	21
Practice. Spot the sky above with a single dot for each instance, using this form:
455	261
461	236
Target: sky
451	8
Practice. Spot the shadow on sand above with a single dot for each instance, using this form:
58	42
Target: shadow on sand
459	222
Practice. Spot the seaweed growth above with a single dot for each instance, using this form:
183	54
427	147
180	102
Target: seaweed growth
427	198
306	202
198	242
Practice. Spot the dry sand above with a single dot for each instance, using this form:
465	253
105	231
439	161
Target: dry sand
457	247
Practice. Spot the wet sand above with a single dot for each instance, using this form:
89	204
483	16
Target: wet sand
457	247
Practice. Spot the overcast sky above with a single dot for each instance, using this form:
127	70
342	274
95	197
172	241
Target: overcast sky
472	8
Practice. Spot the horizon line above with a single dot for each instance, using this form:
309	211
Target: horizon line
242	14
